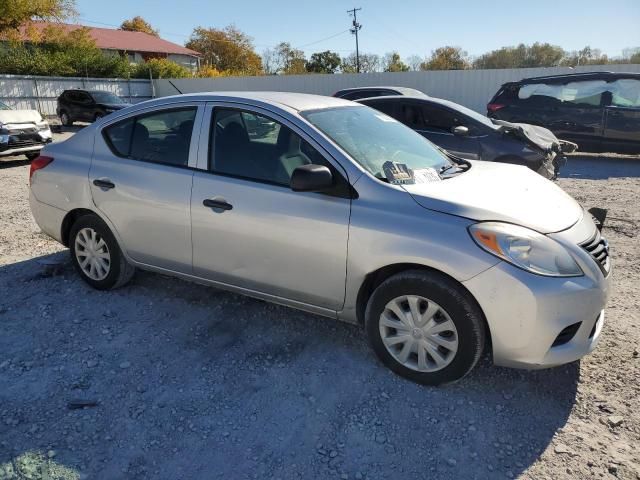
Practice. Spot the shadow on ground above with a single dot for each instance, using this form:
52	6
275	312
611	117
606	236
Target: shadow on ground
193	382
601	166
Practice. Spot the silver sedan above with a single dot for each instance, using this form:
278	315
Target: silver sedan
334	208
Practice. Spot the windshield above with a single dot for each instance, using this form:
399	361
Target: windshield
105	97
373	139
4	106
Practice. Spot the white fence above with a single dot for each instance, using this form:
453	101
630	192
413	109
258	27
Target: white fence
471	88
40	93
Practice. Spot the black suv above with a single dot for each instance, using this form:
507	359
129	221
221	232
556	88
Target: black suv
86	105
600	111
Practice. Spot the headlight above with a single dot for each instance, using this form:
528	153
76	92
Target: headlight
526	249
4	138
42	126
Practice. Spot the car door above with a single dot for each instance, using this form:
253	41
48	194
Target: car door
85	107
141	178
436	123
622	116
250	230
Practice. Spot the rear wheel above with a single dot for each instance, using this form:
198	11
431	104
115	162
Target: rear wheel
96	255
425	327
65	119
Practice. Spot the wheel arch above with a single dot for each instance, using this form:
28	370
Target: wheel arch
373	279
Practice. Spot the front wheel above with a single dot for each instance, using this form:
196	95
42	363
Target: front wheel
425	327
96	255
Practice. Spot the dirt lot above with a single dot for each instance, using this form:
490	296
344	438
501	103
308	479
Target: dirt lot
191	382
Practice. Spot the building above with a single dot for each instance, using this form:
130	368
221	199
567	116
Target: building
137	46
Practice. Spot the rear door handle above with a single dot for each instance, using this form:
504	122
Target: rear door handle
106	184
220	204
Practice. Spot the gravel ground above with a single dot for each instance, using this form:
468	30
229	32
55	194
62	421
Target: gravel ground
189	382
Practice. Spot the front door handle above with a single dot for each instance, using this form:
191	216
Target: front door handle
219	204
106	184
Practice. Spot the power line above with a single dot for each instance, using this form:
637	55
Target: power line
354	30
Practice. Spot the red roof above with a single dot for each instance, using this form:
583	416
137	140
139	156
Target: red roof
112	39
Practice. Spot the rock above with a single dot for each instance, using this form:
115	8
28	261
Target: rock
333	454
81	403
615	420
51	453
452	462
561	448
381	438
124	365
91	363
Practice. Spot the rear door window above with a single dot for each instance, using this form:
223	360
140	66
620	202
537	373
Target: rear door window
159	137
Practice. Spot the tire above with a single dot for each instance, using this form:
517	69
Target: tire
65	119
454	316
118	271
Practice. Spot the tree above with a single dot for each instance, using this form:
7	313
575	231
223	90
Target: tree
16	13
139	24
586	56
369	63
160	68
414	62
522	56
393	63
230	51
324	62
446	58
283	59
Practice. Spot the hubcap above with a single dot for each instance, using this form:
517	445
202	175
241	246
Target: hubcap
92	254
418	333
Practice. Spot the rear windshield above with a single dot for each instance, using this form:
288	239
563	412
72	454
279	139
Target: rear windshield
105	97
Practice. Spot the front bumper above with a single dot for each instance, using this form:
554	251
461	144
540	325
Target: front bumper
24	141
526	313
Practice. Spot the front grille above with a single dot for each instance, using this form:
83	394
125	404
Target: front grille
566	334
598	248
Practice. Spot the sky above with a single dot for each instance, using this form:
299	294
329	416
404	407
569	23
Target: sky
410	27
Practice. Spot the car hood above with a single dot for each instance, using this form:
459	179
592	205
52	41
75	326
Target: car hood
500	192
20	116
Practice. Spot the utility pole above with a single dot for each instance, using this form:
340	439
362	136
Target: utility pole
354	30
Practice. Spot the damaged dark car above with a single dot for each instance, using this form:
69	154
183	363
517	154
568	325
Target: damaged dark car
467	134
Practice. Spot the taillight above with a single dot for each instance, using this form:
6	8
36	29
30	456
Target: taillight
39	163
494	107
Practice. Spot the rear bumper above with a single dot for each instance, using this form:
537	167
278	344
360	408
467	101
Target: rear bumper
48	218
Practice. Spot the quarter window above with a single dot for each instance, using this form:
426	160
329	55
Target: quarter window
161	137
625	93
256	147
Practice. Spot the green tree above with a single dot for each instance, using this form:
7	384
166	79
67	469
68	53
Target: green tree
160	68
446	58
284	59
393	63
16	13
230	51
522	56
586	56
369	63
139	24
324	62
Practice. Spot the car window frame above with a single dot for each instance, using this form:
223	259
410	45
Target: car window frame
343	187
194	143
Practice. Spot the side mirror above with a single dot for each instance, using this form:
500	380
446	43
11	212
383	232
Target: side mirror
460	131
311	178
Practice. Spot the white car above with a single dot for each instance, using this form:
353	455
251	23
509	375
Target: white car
22	132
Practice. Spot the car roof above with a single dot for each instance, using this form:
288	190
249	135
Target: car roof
404	98
292	101
572	77
405	90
